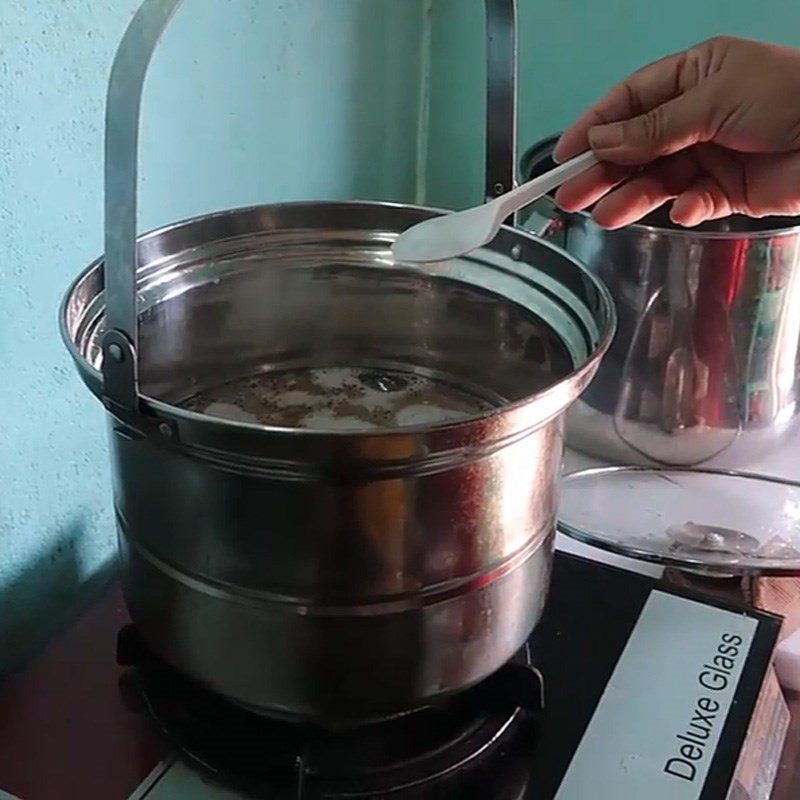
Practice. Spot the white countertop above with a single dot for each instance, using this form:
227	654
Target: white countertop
783	464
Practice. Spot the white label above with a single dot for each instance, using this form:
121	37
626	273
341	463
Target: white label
654	733
177	781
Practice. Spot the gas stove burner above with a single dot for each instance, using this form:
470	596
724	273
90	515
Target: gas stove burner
426	753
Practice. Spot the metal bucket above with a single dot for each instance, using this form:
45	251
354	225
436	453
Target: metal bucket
316	572
704	368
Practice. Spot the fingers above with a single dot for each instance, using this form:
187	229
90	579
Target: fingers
666	129
647	88
704	201
650	189
706	182
587	188
718	191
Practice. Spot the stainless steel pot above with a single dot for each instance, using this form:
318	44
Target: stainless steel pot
704	365
325	574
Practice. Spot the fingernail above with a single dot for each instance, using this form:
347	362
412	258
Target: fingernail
687	220
605	137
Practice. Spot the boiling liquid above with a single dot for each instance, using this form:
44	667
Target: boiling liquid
339	399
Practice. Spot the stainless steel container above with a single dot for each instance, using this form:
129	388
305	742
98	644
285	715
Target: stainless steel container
317	573
704	365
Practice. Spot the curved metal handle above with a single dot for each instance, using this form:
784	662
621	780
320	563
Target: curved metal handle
120	376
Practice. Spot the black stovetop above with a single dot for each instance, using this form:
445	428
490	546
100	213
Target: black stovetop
495	742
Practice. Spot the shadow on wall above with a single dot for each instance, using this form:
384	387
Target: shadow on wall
47	594
386	91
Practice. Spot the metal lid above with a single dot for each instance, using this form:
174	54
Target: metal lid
706	520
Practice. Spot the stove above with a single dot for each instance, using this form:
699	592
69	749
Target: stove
479	739
629	688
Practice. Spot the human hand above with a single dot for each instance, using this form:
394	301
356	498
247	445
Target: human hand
715	128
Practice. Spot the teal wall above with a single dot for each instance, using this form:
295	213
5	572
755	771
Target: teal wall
248	101
571	51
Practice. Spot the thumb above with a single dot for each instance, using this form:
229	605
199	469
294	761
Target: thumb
680	123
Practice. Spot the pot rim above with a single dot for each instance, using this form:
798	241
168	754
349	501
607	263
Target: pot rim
163	410
692	233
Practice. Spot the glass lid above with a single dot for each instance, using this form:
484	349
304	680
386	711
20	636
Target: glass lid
695	519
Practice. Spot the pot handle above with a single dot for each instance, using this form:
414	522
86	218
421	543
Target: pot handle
123	105
545	221
544	218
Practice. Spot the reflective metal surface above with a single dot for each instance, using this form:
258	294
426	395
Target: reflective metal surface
704	366
123	106
319	573
329	574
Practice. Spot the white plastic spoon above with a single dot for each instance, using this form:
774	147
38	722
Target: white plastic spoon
462	232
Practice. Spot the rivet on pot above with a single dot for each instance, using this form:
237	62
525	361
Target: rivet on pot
116	353
165	430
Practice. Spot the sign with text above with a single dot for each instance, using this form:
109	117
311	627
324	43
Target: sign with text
655	730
